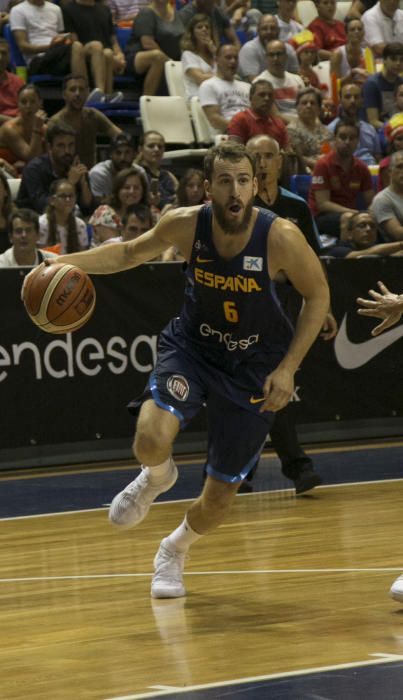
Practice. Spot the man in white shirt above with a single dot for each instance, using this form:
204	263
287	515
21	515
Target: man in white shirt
252	56
383	24
38	28
24	236
222	96
286	85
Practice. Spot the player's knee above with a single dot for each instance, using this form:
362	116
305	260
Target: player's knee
151	447
218	496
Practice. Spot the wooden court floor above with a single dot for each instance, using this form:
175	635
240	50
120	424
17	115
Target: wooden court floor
284	585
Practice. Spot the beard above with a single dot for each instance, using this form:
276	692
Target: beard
229	226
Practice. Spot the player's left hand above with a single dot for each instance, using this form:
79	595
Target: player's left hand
386	305
277	390
329	328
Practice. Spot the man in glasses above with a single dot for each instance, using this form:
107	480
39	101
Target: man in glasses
285	85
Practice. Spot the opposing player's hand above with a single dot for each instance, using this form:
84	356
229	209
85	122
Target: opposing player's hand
329	328
385	305
277	390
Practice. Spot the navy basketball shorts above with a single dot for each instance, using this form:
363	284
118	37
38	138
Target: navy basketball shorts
183	381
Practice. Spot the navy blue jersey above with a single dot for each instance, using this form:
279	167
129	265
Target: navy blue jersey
231	311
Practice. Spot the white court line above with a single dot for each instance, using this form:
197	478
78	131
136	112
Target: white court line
385	659
218	572
189	500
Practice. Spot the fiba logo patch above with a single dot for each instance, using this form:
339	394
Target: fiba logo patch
178	387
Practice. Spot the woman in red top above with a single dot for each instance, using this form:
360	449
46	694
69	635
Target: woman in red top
22	138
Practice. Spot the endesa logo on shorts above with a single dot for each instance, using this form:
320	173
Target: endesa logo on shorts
226	338
178	387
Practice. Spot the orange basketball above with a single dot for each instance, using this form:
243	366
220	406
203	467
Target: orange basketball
59	298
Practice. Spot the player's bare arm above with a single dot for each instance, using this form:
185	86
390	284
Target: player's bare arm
291	258
384	305
176	228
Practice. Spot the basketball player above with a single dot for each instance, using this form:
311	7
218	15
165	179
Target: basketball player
388	307
231	348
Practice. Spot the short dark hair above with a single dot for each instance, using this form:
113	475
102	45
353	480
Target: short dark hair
122	139
257	84
24	214
29	86
347	122
309	91
352	83
393	49
351	18
142	211
226	150
73	76
59	129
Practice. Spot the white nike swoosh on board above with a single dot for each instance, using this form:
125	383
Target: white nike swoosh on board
353	355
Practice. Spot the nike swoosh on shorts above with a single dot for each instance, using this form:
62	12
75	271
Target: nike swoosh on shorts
353	355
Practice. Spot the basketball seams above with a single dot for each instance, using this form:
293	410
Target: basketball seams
41	318
71	326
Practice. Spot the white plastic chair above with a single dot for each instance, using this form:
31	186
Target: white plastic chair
174	79
342	9
306	11
169	116
200	122
14	185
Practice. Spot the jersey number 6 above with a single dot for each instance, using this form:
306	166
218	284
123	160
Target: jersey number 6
230	311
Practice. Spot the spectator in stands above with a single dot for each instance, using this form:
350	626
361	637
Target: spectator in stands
61	161
105	224
38	28
162	183
6	207
351	101
198	54
348	62
387	206
136	220
260	117
191	188
220	22
383	24
379	89
252	56
309	138
361	239
130	187
358	7
87	122
122	153
288	26
91	23
286	85
60	230
329	32
125	11
223	96
155	38
243	17
394	136
338	178
307	54
10	85
23	137
24	235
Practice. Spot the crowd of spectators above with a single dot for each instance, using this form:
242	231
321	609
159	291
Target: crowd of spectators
256	79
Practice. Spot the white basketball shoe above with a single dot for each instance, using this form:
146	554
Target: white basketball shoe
168	578
396	590
130	506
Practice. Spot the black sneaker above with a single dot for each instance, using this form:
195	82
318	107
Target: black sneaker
306	480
